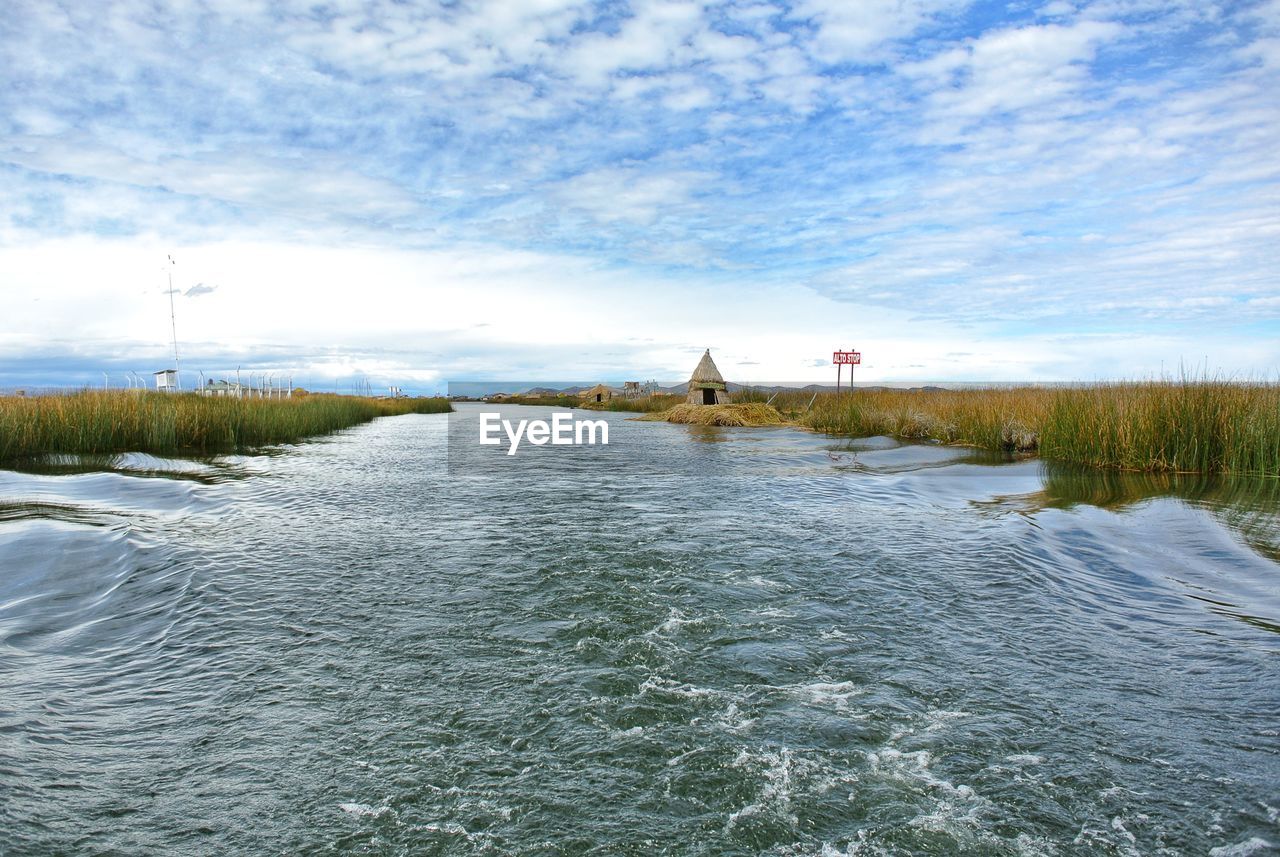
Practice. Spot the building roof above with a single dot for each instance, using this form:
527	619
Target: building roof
706	371
598	388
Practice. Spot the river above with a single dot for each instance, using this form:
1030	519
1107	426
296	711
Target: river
689	641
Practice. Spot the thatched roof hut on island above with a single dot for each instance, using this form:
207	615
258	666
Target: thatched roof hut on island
707	386
598	393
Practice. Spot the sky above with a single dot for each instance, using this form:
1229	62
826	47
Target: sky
413	193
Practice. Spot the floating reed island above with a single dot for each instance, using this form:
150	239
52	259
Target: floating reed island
745	414
95	423
1183	426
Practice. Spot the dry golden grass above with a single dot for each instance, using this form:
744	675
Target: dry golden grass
753	414
991	418
647	405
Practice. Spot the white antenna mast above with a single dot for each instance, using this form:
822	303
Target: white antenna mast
173	325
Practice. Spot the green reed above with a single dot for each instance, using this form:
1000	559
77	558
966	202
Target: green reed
646	405
1187	425
1183	426
546	401
135	421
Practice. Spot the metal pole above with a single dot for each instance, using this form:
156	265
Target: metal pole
173	326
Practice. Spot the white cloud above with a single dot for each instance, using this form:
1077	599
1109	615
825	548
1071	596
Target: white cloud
1111	165
1012	69
629	194
857	32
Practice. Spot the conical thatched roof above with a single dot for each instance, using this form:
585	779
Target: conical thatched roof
706	372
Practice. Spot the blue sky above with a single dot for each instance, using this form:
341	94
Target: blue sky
422	191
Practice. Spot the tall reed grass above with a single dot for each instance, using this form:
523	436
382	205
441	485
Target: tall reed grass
989	418
1187	427
647	405
546	401
124	421
1191	426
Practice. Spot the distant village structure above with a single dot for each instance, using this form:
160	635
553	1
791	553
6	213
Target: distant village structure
598	393
602	392
261	385
221	389
166	380
707	386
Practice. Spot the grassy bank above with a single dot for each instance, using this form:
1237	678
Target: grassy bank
647	405
124	421
545	401
752	414
1182	426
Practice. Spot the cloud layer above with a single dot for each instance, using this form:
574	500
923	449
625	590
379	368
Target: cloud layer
1032	179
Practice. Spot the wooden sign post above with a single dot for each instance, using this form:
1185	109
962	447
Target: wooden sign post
845	358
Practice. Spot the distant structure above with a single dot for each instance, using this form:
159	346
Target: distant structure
631	390
707	386
222	389
598	393
173	327
261	385
166	380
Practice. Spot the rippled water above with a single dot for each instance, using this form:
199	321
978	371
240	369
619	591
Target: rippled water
692	641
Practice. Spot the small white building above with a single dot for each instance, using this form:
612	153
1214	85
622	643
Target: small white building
166	380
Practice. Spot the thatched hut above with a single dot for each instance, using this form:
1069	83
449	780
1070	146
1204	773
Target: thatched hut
598	393
707	386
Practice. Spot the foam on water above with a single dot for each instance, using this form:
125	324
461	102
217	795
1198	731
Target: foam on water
364	809
1252	845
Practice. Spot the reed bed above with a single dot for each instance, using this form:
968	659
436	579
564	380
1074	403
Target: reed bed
648	405
1185	426
755	414
1189	427
990	418
545	401
124	421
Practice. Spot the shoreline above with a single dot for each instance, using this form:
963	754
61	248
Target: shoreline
1187	426
115	422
